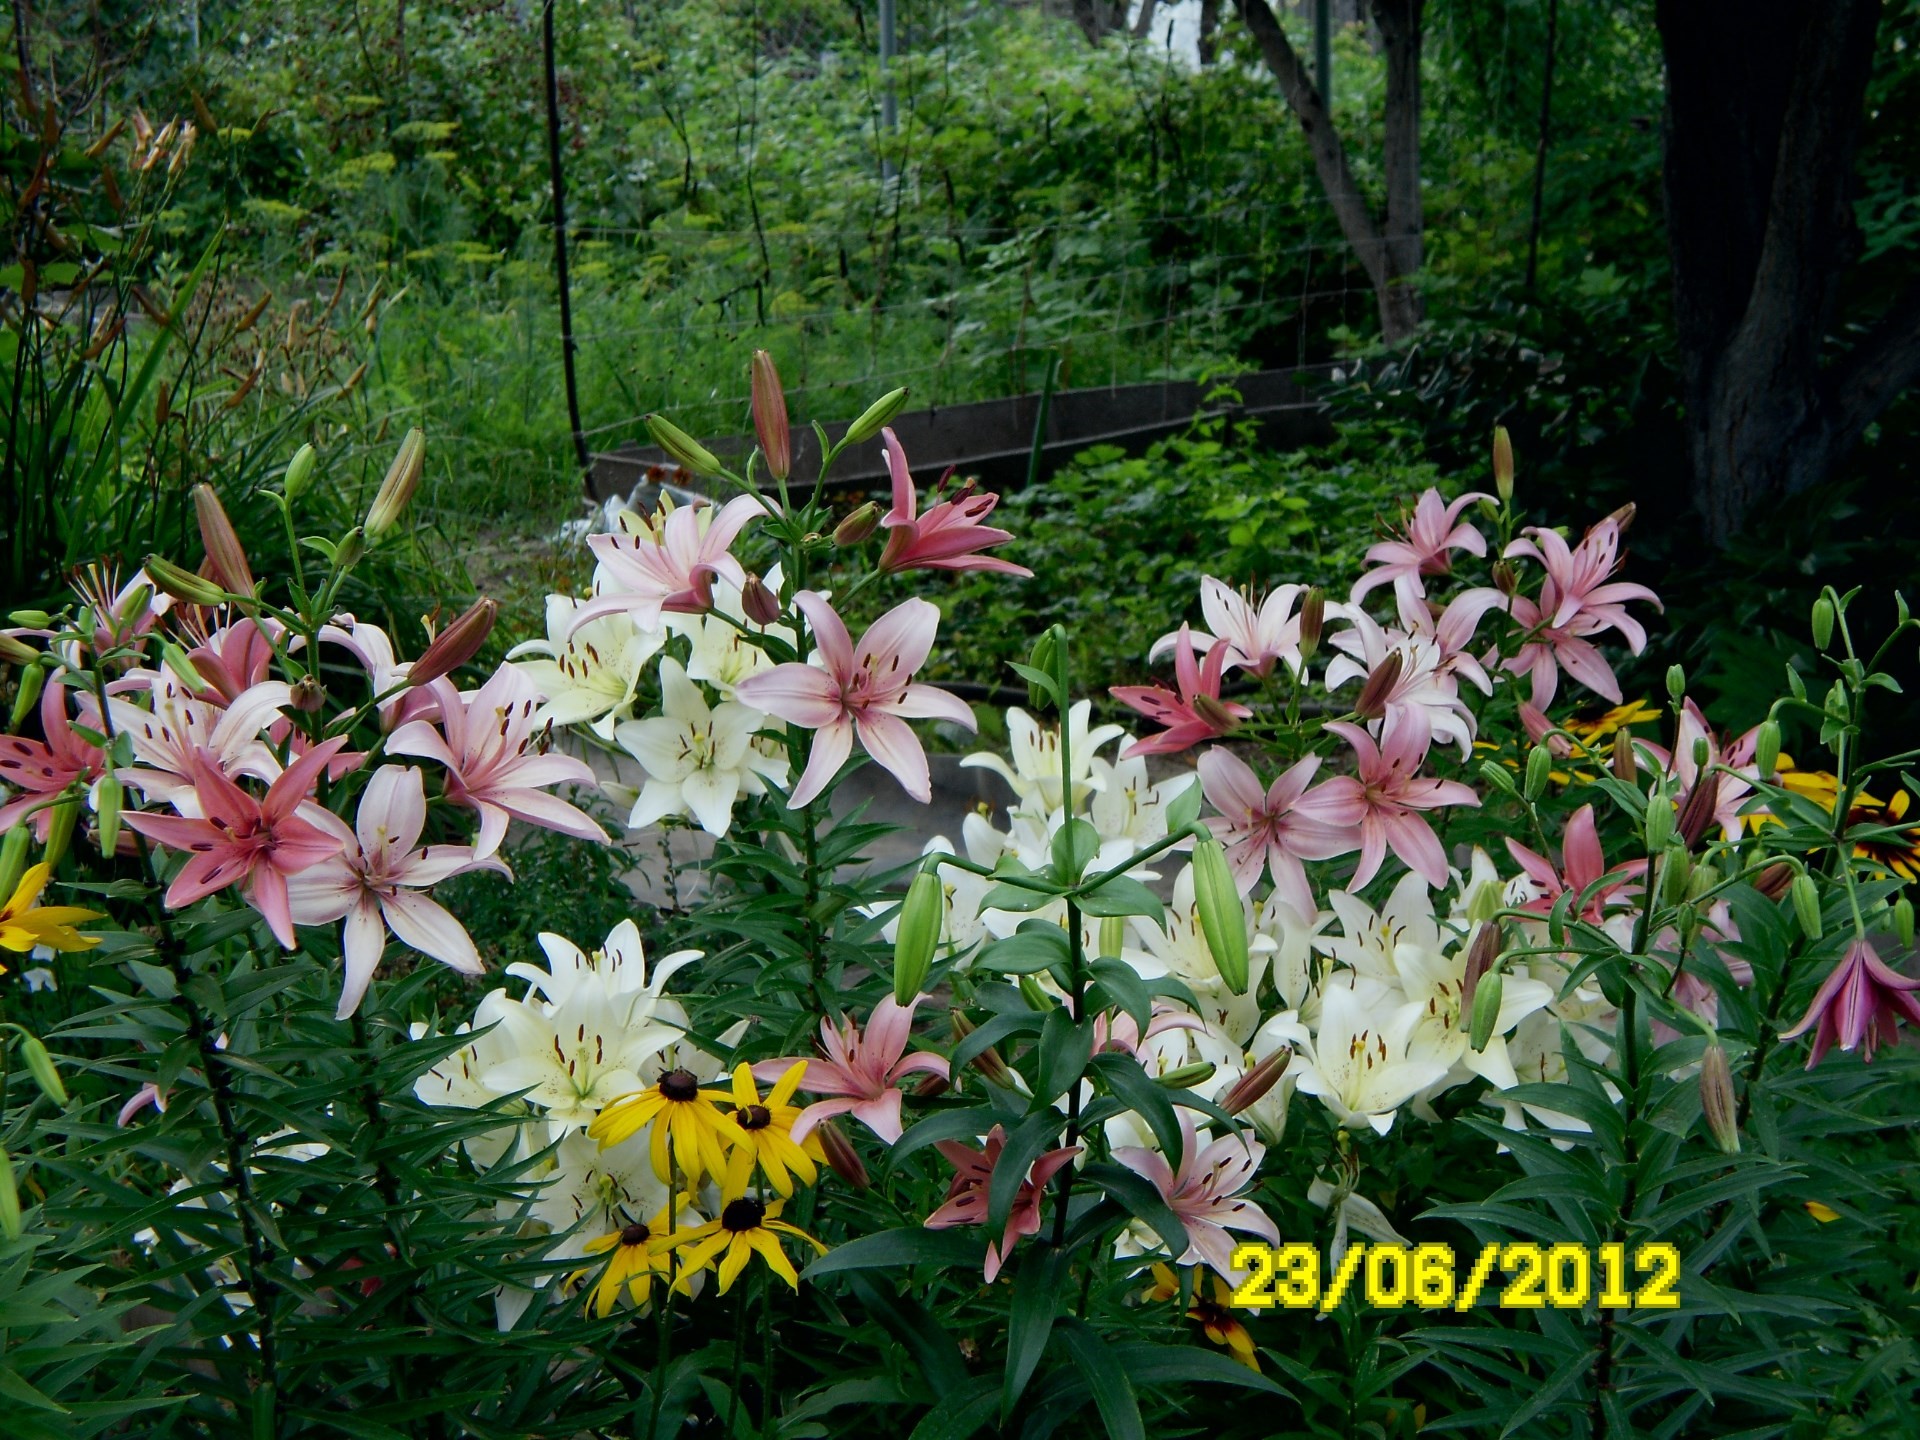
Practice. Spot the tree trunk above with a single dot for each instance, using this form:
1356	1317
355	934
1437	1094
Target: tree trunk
1209	27
1144	20
1389	252
1762	121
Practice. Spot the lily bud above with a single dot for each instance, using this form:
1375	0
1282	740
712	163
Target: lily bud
689	453
770	416
61	819
1252	1087
353	545
33	680
988	1061
110	798
1676	685
455	645
1113	936
1185	1077
228	557
309	695
1822	622
1045	657
13	859
1806	906
858	525
30	619
1505	578
1659	823
299	472
1222	921
1773	881
922	915
1481	954
1766	748
875	416
1539	770
175	659
396	490
1696	811
16	651
1486	1009
842	1158
10	1224
1503	464
182	584
1372	703
40	1066
1717	1101
1903	921
1701	750
1705	879
1623	517
1625	767
1313	621
758	603
1215	713
1675	868
1037	999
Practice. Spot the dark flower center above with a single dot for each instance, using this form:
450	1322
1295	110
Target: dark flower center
635	1235
679	1085
742	1214
754	1117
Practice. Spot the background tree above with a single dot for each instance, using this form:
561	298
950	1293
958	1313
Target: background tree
1764	122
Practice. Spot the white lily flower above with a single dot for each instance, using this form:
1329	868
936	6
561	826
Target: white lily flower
1128	811
573	1058
1354	1212
1358	1061
699	760
619	966
1035	772
1181	951
591	674
456	1081
724	652
1436	982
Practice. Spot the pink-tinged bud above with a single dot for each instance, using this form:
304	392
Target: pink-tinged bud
858	525
759	603
1625	767
1372	703
309	695
224	551
16	651
1481	954
1215	713
1696	811
770	416
1253	1086
1717	1101
455	645
396	490
930	1086
1773	881
1623	517
988	1061
1505	579
842	1158
1503	464
1313	621
1541	731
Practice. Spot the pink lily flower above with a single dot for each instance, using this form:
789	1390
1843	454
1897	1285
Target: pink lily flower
373	648
1386	799
234	659
966	1202
115	622
374	884
670	565
1730	791
42	770
867	692
1197	713
1858	1005
1576	602
493	765
177	727
860	1073
147	1094
1424	687
1272	829
1203	1193
1425	547
1582	863
1256	637
237	838
949	536
1120	1033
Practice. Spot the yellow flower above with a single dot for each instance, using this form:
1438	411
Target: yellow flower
769	1128
1215	1317
23	925
1825	1214
746	1226
633	1263
1898	853
680	1112
1602	726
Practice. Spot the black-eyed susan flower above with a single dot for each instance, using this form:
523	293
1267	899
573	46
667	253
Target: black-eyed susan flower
768	1126
1591	728
746	1226
632	1262
24	925
683	1116
1214	1316
1896	852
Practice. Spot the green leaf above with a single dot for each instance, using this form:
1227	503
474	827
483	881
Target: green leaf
1183	809
1122	895
1138	1196
1065	1048
1000	1027
1031	1138
1036	1301
1074	846
1122	983
968	1124
1017	898
912	1245
1149	1100
1035	946
960	1414
1154	1365
1107	1378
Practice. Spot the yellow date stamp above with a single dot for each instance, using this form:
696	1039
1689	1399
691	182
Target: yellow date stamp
1530	1276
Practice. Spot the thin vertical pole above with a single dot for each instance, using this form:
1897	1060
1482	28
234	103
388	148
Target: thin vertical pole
1323	50
558	183
1540	157
889	112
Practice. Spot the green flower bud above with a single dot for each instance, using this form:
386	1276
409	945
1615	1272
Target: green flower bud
1903	920
1539	768
1036	998
1717	1101
1113	936
1822	622
63	816
183	584
1495	774
1806	906
396	490
10	1224
1222	921
1185	1077
110	798
1766	748
1503	464
875	416
858	525
1487	996
40	1066
1705	877
176	660
299	472
13	859
1659	823
1045	657
922	915
33	680
353	545
1675	870
1676	685
30	619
